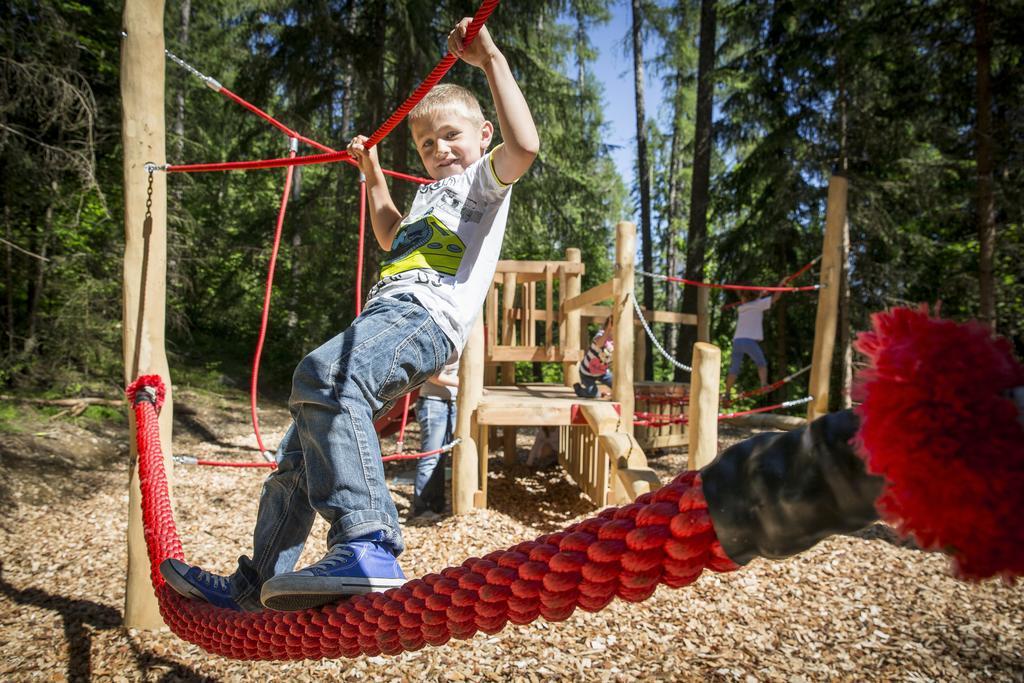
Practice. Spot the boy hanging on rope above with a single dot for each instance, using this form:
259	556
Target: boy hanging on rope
441	258
750	331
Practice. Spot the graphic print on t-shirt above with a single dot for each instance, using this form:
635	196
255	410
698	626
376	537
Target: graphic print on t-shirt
424	244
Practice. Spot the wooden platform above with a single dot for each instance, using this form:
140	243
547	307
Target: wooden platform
533	405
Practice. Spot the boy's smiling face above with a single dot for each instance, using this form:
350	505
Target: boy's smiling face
448	141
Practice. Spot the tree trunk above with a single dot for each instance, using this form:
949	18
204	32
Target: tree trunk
845	322
35	290
986	212
643	175
179	98
696	241
671	255
9	280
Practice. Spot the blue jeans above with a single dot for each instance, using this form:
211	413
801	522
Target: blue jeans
743	346
588	384
329	461
437	424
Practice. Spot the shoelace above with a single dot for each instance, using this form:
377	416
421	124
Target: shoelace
333	558
215	581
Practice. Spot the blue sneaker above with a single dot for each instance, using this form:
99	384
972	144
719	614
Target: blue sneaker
193	582
360	566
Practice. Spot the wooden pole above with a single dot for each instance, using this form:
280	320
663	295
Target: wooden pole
145	264
569	330
828	297
622	312
703	419
465	463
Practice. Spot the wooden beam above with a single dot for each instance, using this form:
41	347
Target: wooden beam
828	297
537	267
532	354
602	292
145	266
569	331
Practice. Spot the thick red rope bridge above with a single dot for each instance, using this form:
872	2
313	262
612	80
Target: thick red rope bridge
664	537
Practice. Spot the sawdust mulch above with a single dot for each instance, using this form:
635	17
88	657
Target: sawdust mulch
861	607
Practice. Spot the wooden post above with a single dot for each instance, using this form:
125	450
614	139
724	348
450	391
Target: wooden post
703	420
145	265
828	297
622	312
639	354
569	329
703	319
465	458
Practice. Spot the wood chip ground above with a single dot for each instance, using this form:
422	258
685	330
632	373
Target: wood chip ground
854	608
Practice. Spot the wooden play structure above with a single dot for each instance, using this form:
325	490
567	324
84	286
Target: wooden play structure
597	444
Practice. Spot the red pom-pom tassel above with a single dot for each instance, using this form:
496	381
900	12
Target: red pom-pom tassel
939	423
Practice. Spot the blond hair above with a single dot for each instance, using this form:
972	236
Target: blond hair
448	97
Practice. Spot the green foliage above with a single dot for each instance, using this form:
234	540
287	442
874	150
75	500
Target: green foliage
884	86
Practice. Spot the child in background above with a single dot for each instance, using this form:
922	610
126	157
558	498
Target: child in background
435	411
749	331
596	364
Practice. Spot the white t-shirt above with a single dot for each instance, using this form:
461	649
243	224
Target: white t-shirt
447	248
749	324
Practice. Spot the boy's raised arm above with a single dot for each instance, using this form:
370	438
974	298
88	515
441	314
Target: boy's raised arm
518	132
384	215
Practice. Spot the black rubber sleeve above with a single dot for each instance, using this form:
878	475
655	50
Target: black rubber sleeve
778	494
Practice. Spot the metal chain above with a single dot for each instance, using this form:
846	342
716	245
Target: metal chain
149	197
643	321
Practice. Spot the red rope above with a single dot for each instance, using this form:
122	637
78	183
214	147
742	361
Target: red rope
266	304
715	285
272	121
659	420
273	465
664	537
432	79
788	279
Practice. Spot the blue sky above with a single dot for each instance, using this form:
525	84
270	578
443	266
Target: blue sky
614	68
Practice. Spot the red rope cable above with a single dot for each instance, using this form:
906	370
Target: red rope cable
265	317
716	285
664	537
302	138
789	278
660	420
273	465
432	79
272	121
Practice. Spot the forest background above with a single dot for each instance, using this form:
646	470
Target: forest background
918	103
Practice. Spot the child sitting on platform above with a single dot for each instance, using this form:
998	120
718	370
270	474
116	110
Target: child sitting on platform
596	364
441	258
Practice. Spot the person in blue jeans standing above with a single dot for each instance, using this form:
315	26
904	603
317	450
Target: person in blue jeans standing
441	257
749	333
435	412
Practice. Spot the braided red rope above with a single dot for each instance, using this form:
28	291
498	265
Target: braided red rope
665	537
432	79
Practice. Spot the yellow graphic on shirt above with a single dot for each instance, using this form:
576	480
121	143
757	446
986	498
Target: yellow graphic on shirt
424	244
